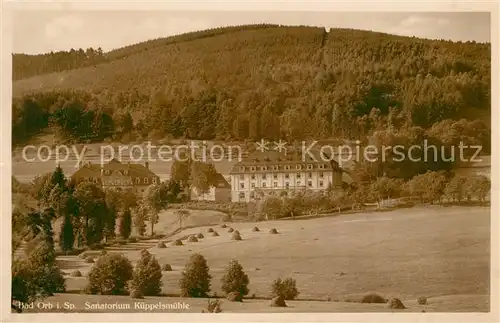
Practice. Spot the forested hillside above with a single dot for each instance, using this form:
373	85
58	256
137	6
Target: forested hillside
262	81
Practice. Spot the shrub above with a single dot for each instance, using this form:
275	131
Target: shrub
195	281
285	288
166	267
422	300
273	231
147	275
255	229
395	303
192	239
110	275
76	273
214	306
223	226
103	253
161	245
230	230
373	298
235	279
177	243
215	234
210	230
200	236
236	236
135	293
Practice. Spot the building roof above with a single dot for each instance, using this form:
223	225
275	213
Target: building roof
220	181
114	166
294	159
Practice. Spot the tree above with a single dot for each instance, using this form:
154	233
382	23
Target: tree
110	275
202	176
429	186
195	281
235	279
36	275
147	275
285	288
66	235
153	204
126	224
92	212
455	189
182	214
271	207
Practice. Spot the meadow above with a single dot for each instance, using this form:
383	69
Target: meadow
442	253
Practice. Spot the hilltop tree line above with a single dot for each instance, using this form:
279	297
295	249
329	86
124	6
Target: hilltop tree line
24	66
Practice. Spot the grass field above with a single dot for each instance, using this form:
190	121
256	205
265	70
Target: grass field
439	252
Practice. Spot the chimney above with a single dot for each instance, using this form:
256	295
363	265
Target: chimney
146	164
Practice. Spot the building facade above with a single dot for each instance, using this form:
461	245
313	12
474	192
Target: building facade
219	192
272	173
117	175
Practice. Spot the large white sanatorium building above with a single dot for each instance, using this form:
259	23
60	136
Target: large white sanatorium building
273	173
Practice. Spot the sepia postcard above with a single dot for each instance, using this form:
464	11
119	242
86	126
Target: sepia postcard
253	161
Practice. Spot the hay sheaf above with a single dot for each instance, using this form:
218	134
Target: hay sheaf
236	236
278	301
177	243
255	229
395	304
76	273
192	239
223	226
273	231
161	245
166	267
210	230
215	234
230	230
200	236
422	300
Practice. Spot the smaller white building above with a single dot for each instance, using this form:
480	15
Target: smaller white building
219	192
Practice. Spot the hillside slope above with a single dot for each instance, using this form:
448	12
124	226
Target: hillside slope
250	82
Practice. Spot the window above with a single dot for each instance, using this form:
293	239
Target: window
287	167
253	168
298	183
253	176
310	166
264	176
242	185
322	166
106	172
310	183
298	175
299	166
95	180
242	195
146	180
310	174
287	176
155	180
264	184
275	176
275	184
321	183
252	194
137	180
242	169
125	172
287	185
321	174
253	185
242	177
117	182
263	168
276	167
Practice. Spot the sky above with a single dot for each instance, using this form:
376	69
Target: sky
45	31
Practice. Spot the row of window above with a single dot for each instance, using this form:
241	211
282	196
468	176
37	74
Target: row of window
137	180
287	184
275	176
280	167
